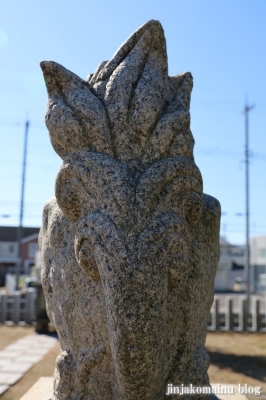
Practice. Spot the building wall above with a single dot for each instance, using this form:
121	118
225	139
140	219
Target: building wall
258	250
258	261
220	283
9	251
229	266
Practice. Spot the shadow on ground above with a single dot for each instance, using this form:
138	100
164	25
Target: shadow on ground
252	366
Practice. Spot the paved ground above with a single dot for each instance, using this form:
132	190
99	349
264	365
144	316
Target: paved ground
17	358
24	357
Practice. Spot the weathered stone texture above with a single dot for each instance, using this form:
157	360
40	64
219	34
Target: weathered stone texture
130	243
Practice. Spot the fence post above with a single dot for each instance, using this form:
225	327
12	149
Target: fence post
3	306
228	315
257	314
245	306
16	307
30	298
262	316
216	313
243	313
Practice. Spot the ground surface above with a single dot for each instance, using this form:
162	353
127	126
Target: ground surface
45	367
235	358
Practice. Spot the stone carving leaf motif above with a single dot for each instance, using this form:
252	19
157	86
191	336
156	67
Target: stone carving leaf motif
130	245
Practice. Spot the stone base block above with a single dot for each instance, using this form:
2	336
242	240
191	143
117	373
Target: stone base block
41	390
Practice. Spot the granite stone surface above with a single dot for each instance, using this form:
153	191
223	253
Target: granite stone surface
130	243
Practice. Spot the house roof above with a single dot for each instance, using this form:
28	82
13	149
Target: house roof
223	241
29	238
10	233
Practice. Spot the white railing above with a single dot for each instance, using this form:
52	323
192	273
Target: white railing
18	307
228	313
231	313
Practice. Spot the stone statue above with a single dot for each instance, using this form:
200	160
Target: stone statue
130	242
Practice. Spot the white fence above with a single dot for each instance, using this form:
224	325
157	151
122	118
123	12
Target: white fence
228	313
236	313
18	307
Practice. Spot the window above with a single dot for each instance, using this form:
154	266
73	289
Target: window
33	247
262	253
11	248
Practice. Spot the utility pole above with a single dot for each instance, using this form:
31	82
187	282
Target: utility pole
19	232
247	258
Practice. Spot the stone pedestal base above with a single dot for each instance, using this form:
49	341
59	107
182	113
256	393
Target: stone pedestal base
41	390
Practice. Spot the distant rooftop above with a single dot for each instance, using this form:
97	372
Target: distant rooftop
9	233
223	241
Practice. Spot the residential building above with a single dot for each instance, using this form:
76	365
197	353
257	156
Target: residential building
258	262
9	250
231	267
230	270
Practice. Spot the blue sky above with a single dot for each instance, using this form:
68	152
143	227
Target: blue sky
221	42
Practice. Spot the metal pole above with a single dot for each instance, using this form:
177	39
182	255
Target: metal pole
19	233
247	258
